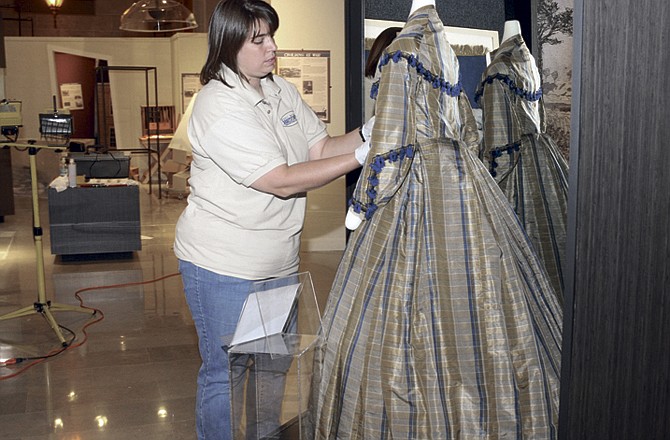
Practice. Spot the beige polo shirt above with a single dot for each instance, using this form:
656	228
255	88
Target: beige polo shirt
237	136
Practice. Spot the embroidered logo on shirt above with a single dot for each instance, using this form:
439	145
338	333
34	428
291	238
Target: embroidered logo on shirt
289	119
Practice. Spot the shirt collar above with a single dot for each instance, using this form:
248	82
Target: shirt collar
270	88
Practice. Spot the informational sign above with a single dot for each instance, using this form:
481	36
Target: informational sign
309	71
265	314
71	96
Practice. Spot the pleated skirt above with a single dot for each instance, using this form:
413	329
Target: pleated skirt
441	322
537	189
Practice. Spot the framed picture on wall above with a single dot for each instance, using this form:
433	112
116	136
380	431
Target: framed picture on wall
309	71
71	96
190	85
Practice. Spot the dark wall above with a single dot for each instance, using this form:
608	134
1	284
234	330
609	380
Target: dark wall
478	14
3	62
616	361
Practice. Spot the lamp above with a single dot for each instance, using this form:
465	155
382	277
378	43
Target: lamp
54	5
157	16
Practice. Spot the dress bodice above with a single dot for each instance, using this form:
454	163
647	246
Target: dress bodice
510	94
421	101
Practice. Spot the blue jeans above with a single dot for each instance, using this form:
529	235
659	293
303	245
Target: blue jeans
216	302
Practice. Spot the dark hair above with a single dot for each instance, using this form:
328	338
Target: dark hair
230	26
381	43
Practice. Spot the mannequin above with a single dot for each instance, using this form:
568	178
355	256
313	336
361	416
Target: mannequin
521	156
354	220
512	29
416	4
438	293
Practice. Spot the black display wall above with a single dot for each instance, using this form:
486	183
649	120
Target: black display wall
615	382
478	14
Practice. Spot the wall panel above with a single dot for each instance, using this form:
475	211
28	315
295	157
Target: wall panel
616	362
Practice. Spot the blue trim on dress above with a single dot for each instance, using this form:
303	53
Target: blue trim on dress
506	79
377	165
374	90
379	161
436	81
497	152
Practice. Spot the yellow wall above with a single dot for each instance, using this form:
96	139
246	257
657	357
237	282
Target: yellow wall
31	77
304	24
319	25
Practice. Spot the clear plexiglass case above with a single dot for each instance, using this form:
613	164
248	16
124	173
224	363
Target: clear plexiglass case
271	358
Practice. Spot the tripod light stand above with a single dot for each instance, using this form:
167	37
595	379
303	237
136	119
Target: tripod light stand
42	306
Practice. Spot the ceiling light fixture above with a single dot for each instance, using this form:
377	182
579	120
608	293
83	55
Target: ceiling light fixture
157	16
54	5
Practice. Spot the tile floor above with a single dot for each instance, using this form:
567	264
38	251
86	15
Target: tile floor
130	375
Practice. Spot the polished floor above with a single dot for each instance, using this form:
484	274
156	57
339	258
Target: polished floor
130	375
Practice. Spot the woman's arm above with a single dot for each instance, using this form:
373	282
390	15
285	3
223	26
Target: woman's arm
329	158
335	146
287	180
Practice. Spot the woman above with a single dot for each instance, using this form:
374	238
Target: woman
378	46
257	148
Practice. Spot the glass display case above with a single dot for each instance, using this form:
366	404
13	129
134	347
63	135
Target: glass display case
271	357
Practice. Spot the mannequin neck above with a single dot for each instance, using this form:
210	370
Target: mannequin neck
512	29
416	4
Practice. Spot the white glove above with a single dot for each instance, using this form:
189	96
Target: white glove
362	152
366	129
353	220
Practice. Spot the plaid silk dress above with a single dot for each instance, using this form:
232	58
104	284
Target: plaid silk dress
523	159
441	322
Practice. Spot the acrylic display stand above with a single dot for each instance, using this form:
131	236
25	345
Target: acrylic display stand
271	358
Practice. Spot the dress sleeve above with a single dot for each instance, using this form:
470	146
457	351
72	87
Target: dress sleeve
469	132
543	120
392	141
500	144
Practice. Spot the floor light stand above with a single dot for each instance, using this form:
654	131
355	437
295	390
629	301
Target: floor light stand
42	306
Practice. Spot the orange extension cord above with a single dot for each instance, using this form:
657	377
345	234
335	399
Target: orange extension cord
52	353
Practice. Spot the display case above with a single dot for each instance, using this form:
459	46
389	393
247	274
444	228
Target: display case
110	165
95	220
271	360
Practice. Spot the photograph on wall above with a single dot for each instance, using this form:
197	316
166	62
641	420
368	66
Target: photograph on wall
309	71
190	85
71	96
554	60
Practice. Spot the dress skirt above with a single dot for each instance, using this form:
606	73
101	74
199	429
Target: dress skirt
441	323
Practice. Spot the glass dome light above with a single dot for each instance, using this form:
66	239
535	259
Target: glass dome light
157	16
